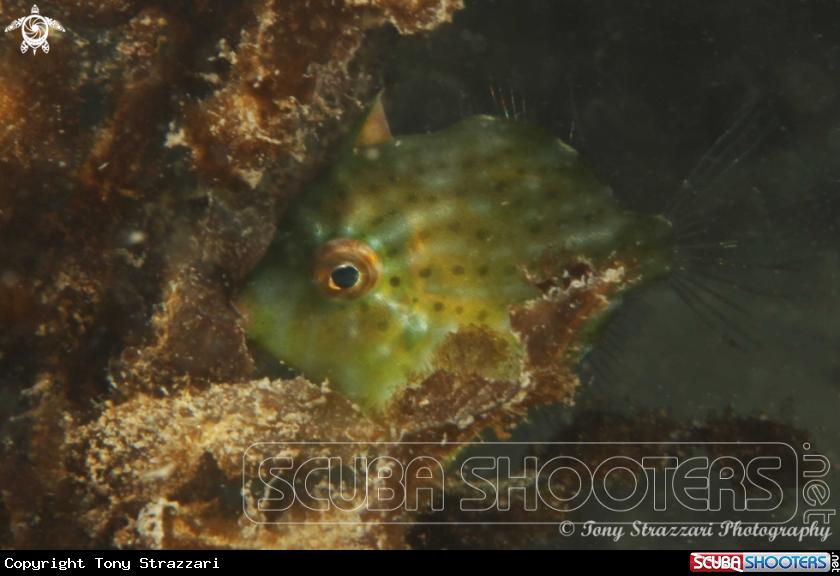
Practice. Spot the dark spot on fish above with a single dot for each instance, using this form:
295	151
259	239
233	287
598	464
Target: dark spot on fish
458	270
459	309
378	220
468	164
395	281
482	235
483	270
589	217
510	270
424	234
412	198
425	272
438	306
383	325
392	252
499	186
364	306
342	194
482	316
433	198
455	226
520	171
415	300
536	229
392	213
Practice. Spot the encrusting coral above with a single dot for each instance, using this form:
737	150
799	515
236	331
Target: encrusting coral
132	198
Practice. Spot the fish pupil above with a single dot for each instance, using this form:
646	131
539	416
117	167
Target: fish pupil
345	276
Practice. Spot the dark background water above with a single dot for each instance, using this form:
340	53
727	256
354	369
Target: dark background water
642	90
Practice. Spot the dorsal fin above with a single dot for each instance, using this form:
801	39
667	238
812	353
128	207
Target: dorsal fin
375	128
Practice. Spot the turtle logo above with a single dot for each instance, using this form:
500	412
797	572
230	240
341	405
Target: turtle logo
35	29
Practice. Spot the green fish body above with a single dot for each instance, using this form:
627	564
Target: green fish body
409	239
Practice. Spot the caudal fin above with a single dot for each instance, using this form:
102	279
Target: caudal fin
739	245
736	240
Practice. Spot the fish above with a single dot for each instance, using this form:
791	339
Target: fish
406	240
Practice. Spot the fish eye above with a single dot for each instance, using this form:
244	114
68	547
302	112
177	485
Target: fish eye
346	269
345	277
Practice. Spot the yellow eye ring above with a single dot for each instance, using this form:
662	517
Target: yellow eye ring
346	269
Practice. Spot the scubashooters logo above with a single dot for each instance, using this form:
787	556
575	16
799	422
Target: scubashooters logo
36	28
346	483
761	562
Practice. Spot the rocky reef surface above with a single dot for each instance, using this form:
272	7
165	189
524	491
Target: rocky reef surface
143	163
